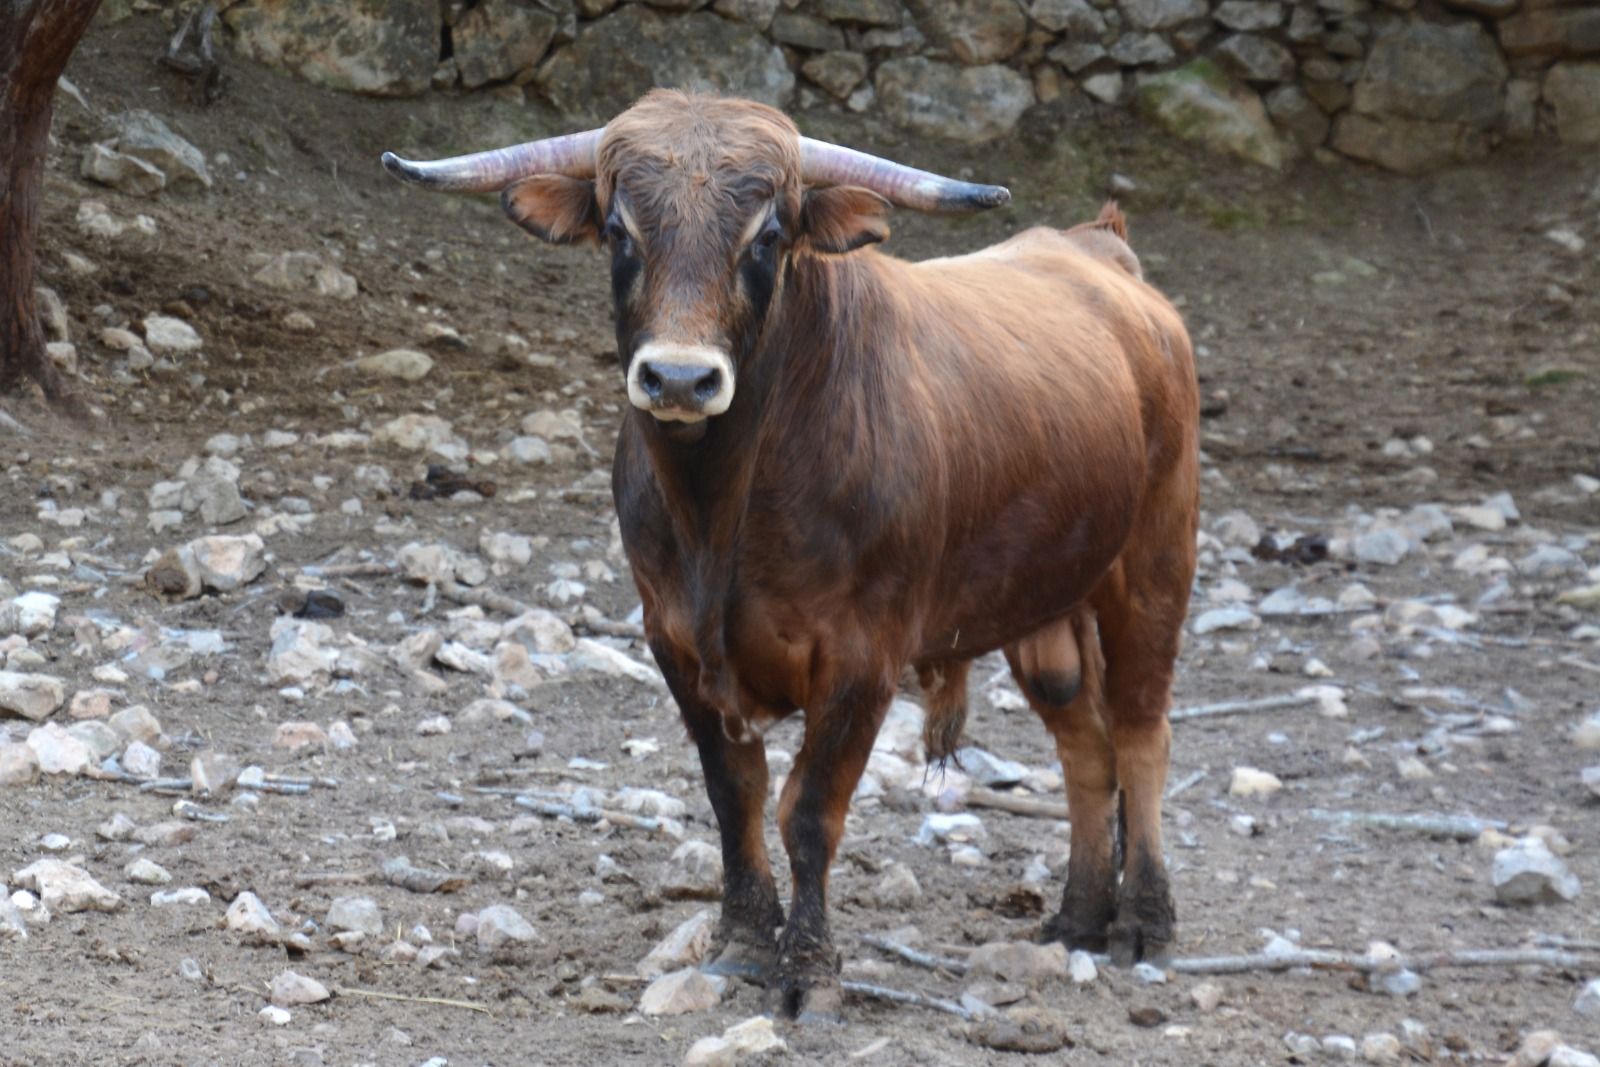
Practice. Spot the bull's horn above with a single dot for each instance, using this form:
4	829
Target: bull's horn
570	155
822	163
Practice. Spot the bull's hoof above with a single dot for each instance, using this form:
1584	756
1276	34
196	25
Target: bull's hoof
743	960
821	1003
1060	927
1134	941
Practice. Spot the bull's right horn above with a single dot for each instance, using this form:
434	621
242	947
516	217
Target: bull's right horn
822	163
570	155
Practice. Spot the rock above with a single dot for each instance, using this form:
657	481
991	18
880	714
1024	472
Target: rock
58	752
966	104
1588	1002
534	451
1197	102
147	137
1229	618
1081	968
693	873
1383	547
1018	961
1236	530
358	914
30	614
18	764
380	47
1545	29
1380	1048
500	925
122	172
1572	91
1433	72
32	696
688	944
185	897
1549	561
1076	17
415	433
1162	14
288	989
90	704
65	887
500	40
753	1037
147	872
1407	146
805	32
141	761
297	656
898	889
1245	15
1253	58
615	60
977	31
1529	873
839	73
247	915
1298	115
404	363
167	336
860	12
589	654
1590	777
1250	782
1207	996
1141	49
681	992
961	827
136	723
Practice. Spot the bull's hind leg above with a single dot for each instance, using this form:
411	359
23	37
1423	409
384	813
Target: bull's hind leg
1058	668
736	783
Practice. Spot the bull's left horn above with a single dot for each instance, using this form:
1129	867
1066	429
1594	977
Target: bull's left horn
571	155
822	163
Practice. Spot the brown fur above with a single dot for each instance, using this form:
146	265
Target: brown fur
923	462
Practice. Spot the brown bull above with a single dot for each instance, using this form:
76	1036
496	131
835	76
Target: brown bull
839	464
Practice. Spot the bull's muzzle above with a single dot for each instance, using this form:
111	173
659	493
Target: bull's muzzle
680	383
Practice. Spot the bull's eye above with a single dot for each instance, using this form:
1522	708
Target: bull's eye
619	239
765	247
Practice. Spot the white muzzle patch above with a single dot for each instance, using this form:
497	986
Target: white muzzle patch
680	383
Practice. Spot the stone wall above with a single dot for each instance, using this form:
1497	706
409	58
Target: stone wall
1406	84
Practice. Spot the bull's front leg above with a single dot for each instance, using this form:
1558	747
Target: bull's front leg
736	784
811	812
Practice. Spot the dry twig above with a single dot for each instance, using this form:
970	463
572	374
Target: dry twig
915	956
1237	707
1032	807
901	996
442	1001
1455	827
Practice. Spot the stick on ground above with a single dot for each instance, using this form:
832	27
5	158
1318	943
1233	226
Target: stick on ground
915	956
1238	707
1033	807
1455	827
443	1001
901	996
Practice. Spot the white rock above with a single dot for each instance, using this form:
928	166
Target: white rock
272	1015
533	451
1529	873
1588	1001
897	890
1229	618
1586	735
499	924
136	723
248	915
33	696
1081	968
1589	775
1250	782
58	751
688	944
1385	547
753	1037
65	887
988	770
227	563
959	827
593	655
508	549
1480	517
1380	1048
357	914
18	764
403	363
693	872
1236	530
165	335
30	614
682	992
288	989
1567	1056
147	872
298	655
1549	561
188	895
415	433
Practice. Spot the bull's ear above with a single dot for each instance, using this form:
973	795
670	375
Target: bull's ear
560	210
843	218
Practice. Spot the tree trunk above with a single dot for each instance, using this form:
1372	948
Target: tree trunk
36	38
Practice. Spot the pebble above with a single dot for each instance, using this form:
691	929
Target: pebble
1591	779
30	614
357	914
1380	1048
959	827
141	761
147	872
405	364
898	888
33	696
1149	974
1567	1056
165	335
1588	1000
681	992
988	770
213	772
288	989
1207	996
188	895
117	828
693	873
1018	961
1081	967
65	887
18	764
1340	1046
1384	547
499	924
1228	618
1250	782
753	1037
272	1015
1586	735
686	946
248	915
1529	873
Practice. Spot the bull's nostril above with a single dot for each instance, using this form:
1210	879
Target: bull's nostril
651	381
709	386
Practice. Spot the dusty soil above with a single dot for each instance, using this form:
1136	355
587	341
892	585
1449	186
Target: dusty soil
1456	303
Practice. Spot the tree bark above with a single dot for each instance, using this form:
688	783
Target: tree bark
36	39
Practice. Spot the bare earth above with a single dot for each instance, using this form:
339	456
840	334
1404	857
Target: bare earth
1457	299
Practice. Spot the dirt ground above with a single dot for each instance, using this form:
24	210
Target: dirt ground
1337	310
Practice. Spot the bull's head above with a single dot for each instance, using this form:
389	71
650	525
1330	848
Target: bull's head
701	202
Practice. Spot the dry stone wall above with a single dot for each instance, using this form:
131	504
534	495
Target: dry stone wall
1406	84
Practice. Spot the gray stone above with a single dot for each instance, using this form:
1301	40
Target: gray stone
1253	58
976	31
988	770
860	12
1588	1001
381	47
122	172
1107	87
100	739
1141	49
1522	109
1076	17
18	764
1492	8
356	914
1162	14
1018	961
1573	92
1529	873
1295	113
299	655
1198	102
32	696
694	872
805	31
837	72
758	13
1434	73
615	60
1384	547
146	136
1245	15
898	889
500	40
405	364
681	992
1549	561
968	104
1590	776
688	944
167	336
288	990
1408	146
1551	30
500	925
1077	55
29	614
144	871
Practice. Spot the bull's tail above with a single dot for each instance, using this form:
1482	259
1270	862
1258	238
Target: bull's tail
944	696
